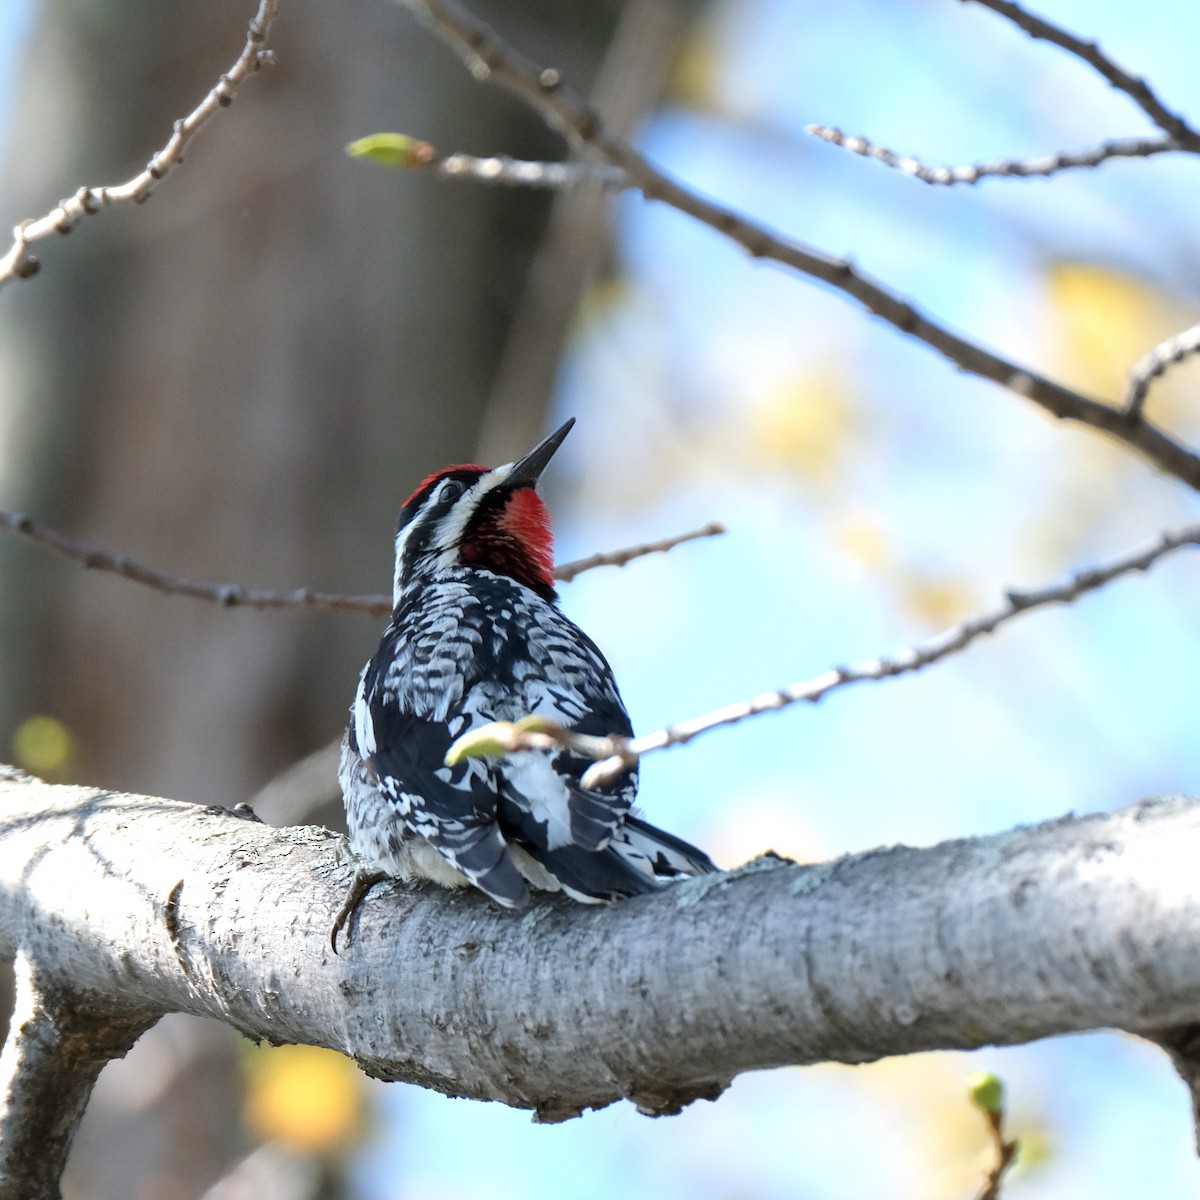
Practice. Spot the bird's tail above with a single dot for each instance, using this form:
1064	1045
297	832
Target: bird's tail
665	855
638	859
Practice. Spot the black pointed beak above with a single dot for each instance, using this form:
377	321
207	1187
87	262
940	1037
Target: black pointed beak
527	470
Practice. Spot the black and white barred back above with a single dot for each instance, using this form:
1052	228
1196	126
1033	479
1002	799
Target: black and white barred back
475	637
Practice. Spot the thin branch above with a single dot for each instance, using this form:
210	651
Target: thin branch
986	1093
490	58
618	558
1136	88
1157	362
1049	164
495	739
234	595
228	595
558	176
415	154
1006	1155
18	263
561	176
627	751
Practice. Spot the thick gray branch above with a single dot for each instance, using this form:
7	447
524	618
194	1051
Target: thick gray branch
59	1040
157	906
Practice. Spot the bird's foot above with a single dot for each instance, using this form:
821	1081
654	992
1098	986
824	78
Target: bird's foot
360	885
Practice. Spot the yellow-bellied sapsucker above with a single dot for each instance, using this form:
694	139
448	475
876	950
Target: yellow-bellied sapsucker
476	636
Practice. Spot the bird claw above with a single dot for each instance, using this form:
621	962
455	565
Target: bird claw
360	885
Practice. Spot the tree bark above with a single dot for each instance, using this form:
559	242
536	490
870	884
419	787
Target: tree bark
56	1048
145	906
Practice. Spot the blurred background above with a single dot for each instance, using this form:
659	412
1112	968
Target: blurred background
243	379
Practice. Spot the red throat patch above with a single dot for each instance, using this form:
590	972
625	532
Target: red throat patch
516	541
527	521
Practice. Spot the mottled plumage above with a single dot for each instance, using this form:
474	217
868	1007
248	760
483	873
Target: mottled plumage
475	637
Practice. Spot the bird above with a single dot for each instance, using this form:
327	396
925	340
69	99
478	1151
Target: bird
476	636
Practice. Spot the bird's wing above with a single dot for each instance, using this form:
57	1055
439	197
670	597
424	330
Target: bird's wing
577	689
408	710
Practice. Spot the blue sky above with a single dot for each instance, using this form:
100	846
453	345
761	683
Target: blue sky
14	29
684	373
899	481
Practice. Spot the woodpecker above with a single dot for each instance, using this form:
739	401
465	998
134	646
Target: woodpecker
476	636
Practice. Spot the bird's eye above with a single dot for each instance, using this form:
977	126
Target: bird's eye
450	490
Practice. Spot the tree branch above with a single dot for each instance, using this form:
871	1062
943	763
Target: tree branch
624	753
59	1039
414	154
234	595
418	155
1138	90
1006	1157
1048	164
513	172
18	263
565	572
1157	362
489	58
1182	1046
1077	924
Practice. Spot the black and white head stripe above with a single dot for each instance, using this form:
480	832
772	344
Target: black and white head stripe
434	520
446	506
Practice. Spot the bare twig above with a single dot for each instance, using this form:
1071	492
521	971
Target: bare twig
415	154
229	595
495	739
1048	164
1006	1154
986	1092
1159	360
520	173
618	558
1137	89
233	595
488	57
627	751
18	263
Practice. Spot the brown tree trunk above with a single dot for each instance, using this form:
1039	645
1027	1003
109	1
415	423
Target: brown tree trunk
241	380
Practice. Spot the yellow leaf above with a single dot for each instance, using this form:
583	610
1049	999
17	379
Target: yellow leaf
937	603
42	745
863	540
1105	322
805	423
1037	1146
304	1096
604	301
696	73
